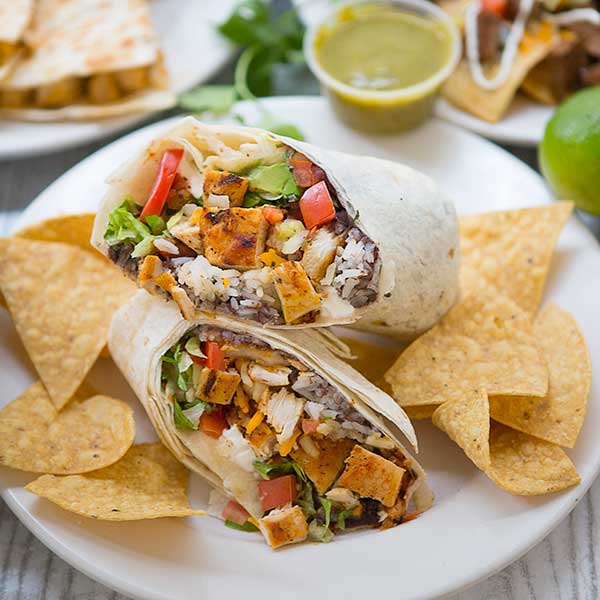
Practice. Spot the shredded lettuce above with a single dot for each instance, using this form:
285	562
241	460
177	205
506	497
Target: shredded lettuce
319	533
341	518
192	346
247	526
124	226
326	504
180	420
285	467
157	224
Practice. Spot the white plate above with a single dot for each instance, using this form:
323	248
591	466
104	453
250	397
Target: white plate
473	530
523	124
193	51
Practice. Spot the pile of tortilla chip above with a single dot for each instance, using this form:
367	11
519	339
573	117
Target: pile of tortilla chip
508	382
61	296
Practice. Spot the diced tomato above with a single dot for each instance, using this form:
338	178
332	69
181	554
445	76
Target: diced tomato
310	425
317	206
213	423
198	360
163	182
215	359
306	173
235	512
277	492
498	7
272	214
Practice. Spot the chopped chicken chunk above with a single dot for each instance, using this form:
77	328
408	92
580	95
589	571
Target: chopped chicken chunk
232	237
283	411
319	253
296	293
224	183
284	526
342	496
372	476
263	440
324	469
59	93
217	387
275	376
151	268
189	234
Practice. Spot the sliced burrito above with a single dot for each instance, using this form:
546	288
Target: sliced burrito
251	225
87	59
14	17
286	432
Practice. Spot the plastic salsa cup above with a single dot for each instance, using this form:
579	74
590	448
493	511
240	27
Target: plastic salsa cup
382	110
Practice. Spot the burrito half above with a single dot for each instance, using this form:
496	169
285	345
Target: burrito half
280	425
278	232
87	59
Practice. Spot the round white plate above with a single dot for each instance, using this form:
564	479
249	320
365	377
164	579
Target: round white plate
473	530
193	51
523	124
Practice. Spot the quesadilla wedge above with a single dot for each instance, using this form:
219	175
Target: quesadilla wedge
14	17
87	59
274	420
251	225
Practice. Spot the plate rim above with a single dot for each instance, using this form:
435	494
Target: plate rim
131	588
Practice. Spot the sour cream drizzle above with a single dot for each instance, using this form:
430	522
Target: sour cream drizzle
509	53
577	15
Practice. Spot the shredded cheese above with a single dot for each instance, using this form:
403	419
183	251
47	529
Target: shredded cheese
255	421
288	445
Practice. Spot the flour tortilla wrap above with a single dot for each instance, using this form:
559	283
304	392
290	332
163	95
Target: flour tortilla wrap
14	17
146	328
87	59
411	223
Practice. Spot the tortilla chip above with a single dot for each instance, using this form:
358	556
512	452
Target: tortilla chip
518	463
62	300
69	229
524	465
484	342
461	90
513	249
88	434
559	416
418	413
466	420
147	483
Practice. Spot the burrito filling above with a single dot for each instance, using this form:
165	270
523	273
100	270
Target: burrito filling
256	237
319	466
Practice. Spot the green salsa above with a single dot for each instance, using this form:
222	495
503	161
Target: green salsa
383	49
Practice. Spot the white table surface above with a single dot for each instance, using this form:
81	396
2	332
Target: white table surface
564	566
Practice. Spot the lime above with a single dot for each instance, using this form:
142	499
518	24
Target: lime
570	151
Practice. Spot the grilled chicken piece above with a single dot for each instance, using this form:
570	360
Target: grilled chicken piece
324	469
284	526
263	440
224	183
275	376
233	238
61	93
372	476
179	195
319	253
151	268
133	80
283	410
189	234
14	98
296	293
342	496
266	356
217	387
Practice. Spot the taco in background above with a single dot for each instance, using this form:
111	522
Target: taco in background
547	49
14	17
87	59
273	419
251	225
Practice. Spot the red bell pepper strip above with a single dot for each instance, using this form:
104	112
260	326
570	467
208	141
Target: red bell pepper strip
215	359
306	173
277	492
498	7
235	512
316	206
167	170
213	423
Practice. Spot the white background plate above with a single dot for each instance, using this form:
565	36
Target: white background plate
473	530
193	50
